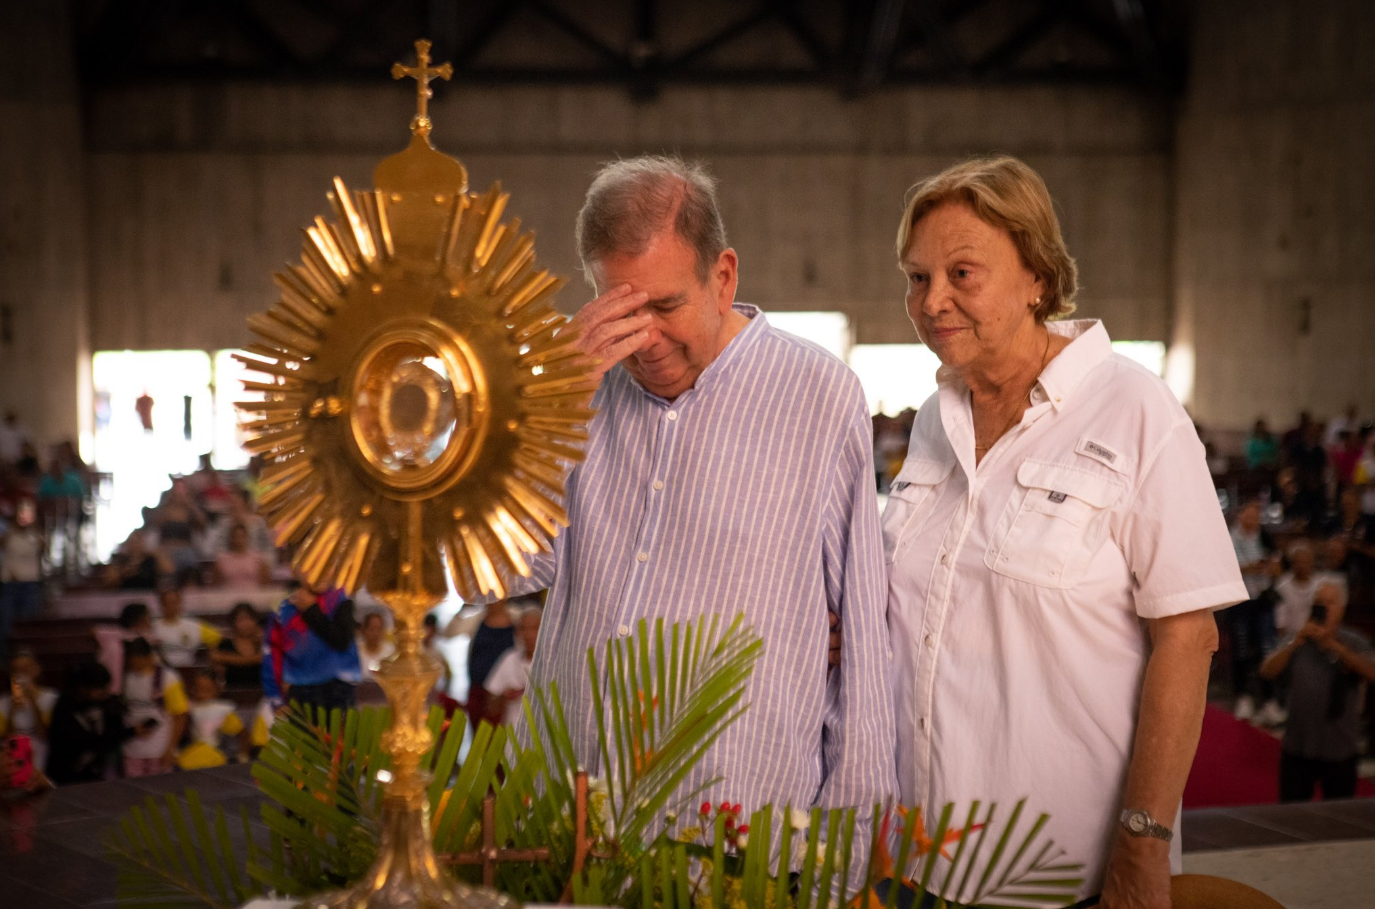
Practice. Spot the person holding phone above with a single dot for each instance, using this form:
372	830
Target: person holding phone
1326	664
27	708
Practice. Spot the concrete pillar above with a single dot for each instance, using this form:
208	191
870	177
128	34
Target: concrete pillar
44	302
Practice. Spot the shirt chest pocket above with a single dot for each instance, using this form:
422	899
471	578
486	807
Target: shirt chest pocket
910	500
1052	524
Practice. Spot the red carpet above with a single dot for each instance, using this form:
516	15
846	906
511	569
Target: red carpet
1237	764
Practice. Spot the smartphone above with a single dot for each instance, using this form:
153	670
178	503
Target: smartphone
20	748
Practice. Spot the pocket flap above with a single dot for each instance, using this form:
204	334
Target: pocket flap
921	472
1100	492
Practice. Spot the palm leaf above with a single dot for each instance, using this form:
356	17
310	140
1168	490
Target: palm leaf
168	857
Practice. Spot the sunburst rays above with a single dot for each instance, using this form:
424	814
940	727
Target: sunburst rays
343	527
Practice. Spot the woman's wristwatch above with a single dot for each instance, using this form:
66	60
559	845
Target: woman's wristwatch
1139	822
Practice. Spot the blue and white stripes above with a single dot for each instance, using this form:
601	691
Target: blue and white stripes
752	492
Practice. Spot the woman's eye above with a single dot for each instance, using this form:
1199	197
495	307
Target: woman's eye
962	272
914	278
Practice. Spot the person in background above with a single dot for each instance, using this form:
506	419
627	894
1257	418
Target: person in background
155	708
1262	448
135	621
216	732
493	637
135	566
27	708
312	654
511	675
1296	588
1346	455
373	644
1252	623
178	637
87	730
13	438
1364	477
1311	468
239	566
21	571
1325	664
179	522
241	513
430	642
240	654
1347	422
61	495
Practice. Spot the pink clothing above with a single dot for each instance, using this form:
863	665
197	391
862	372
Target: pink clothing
136	767
240	569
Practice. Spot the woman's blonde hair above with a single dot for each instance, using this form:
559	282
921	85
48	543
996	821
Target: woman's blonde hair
1006	194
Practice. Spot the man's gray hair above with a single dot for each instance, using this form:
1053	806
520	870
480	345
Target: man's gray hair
630	201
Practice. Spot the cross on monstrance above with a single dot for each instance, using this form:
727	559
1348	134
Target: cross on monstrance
422	73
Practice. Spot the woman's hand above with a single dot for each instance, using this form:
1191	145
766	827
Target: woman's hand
1138	875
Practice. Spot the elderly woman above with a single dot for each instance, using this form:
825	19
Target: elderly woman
1055	548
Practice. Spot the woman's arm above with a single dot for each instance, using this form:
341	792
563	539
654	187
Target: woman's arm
1173	696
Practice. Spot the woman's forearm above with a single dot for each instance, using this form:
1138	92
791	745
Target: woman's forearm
1173	696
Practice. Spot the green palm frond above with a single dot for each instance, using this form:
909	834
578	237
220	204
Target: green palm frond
1022	870
668	693
665	702
174	854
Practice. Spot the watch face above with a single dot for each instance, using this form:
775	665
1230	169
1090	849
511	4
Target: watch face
1136	822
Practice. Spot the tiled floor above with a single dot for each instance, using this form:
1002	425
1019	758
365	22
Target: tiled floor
1335	875
52	849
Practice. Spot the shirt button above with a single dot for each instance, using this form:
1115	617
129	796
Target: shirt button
945	558
927	641
658	484
672	415
623	630
921	722
643	557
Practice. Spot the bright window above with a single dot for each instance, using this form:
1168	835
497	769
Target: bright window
172	387
1150	354
830	330
895	376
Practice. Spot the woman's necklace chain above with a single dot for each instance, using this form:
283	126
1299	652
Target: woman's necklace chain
1045	355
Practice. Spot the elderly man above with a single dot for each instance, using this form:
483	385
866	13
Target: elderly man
729	470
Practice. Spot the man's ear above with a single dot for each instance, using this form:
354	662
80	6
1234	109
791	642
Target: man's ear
724	278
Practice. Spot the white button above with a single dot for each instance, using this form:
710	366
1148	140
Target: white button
673	414
658	484
623	630
643	557
927	641
920	722
945	558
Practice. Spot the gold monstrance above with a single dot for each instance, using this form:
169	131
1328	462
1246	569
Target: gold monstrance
420	413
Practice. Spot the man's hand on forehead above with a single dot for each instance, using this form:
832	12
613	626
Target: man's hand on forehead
612	327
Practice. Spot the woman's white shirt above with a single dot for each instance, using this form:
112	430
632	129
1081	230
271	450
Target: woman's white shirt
1017	590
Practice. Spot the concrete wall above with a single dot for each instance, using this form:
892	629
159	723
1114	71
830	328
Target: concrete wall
44	313
198	192
1275	225
1237	222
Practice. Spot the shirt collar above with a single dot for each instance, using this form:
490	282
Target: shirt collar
735	350
1089	345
